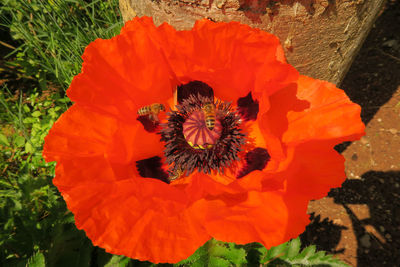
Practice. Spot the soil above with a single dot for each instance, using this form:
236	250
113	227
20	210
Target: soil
360	222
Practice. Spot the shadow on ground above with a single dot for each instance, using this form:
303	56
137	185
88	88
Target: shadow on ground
378	237
375	73
374	76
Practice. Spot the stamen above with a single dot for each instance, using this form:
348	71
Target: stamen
190	144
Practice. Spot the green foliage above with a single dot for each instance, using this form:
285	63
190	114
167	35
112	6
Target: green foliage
53	34
289	254
216	253
36	229
29	205
37	260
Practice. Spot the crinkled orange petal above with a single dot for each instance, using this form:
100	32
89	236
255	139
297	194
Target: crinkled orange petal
263	217
226	56
145	220
316	168
123	73
273	76
267	217
272	121
331	114
76	134
83	135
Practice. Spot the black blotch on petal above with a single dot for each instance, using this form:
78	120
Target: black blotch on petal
248	107
194	88
151	168
148	124
256	159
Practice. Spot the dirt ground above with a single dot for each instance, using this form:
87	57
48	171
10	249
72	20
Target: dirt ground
360	222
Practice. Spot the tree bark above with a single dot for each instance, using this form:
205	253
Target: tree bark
320	37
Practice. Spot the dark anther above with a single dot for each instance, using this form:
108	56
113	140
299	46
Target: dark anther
151	168
248	107
194	88
148	124
256	159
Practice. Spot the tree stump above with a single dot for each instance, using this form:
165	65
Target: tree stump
320	37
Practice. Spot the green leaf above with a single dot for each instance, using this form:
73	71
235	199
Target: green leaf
19	141
70	247
36	114
26	108
28	148
277	251
118	261
3	140
307	257
306	253
37	260
294	248
198	258
220	262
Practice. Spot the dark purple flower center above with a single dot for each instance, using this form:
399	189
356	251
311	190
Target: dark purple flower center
190	144
202	134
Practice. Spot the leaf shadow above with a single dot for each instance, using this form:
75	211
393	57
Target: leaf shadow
378	237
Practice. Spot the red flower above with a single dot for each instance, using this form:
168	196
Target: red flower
266	156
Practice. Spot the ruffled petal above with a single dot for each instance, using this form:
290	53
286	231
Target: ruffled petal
316	168
76	134
226	56
142	219
331	114
273	76
124	73
82	135
270	218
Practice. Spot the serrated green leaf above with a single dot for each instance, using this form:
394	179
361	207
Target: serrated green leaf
277	251
236	255
198	258
37	260
308	251
318	255
228	251
309	257
220	262
293	248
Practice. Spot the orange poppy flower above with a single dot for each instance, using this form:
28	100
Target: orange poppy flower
175	137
